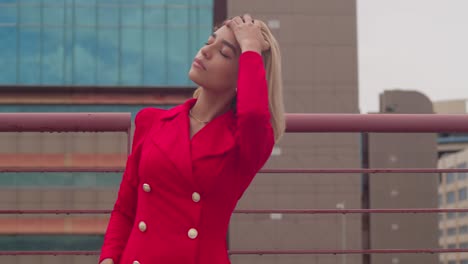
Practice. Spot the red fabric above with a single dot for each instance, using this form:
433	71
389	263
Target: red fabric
219	163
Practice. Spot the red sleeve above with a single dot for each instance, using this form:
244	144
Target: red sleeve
254	134
123	214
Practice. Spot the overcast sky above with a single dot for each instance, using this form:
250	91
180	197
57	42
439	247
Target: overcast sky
412	45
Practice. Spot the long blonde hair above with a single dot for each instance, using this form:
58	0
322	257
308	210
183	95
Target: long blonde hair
272	62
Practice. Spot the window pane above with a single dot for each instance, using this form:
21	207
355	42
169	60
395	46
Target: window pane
108	57
108	16
8	15
54	16
29	56
85	16
8	61
177	17
155	16
84	70
450	177
30	15
178	63
450	197
132	61
53	56
462	194
132	16
155	69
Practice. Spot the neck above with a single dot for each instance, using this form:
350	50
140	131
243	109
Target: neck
209	105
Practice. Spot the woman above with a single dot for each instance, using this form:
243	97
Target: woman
191	164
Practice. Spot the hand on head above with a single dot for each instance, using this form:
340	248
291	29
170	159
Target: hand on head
248	33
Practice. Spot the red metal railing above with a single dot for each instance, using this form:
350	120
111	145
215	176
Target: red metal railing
296	123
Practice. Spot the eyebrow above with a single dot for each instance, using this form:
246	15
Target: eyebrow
227	43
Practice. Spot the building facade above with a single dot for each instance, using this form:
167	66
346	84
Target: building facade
453	227
403	190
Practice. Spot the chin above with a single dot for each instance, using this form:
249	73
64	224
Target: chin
195	77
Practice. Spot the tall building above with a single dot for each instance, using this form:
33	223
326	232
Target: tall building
453	152
408	190
451	142
120	56
318	41
453	227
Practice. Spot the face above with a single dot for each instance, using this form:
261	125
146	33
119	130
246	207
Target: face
215	65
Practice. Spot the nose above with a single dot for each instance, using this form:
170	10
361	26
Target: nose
205	51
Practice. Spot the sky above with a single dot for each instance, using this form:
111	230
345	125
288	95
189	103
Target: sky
417	45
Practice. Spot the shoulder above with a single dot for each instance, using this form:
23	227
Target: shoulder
147	116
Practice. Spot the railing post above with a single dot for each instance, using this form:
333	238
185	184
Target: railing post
365	197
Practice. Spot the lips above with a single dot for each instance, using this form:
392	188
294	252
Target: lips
199	63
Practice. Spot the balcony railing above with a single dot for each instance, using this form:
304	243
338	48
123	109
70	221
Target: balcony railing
296	123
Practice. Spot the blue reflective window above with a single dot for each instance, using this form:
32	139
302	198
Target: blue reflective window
108	57
106	42
53	16
8	15
463	229
85	56
450	177
8	46
132	59
85	16
29	55
451	231
450	197
53	56
30	15
462	194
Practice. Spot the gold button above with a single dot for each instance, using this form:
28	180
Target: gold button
192	233
196	197
136	262
142	226
146	187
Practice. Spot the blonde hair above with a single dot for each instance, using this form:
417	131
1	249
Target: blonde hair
272	63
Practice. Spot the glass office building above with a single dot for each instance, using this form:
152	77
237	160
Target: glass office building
101	42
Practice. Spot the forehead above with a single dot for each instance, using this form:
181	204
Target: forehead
225	33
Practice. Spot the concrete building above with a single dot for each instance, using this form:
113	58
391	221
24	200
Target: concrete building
453	227
409	190
121	56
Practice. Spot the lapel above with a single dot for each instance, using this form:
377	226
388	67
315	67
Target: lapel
216	138
172	137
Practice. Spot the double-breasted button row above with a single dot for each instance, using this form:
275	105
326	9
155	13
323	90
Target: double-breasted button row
136	262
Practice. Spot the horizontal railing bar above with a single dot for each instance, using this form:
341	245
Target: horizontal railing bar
267	211
280	170
265	252
379	170
65	122
396	123
61	169
403	123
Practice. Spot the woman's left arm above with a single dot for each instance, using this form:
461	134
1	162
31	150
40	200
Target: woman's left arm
254	133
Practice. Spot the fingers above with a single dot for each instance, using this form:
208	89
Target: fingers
237	20
248	19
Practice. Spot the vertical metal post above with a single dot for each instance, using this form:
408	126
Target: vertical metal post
365	197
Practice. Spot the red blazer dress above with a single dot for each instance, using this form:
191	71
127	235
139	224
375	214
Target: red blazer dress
177	194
